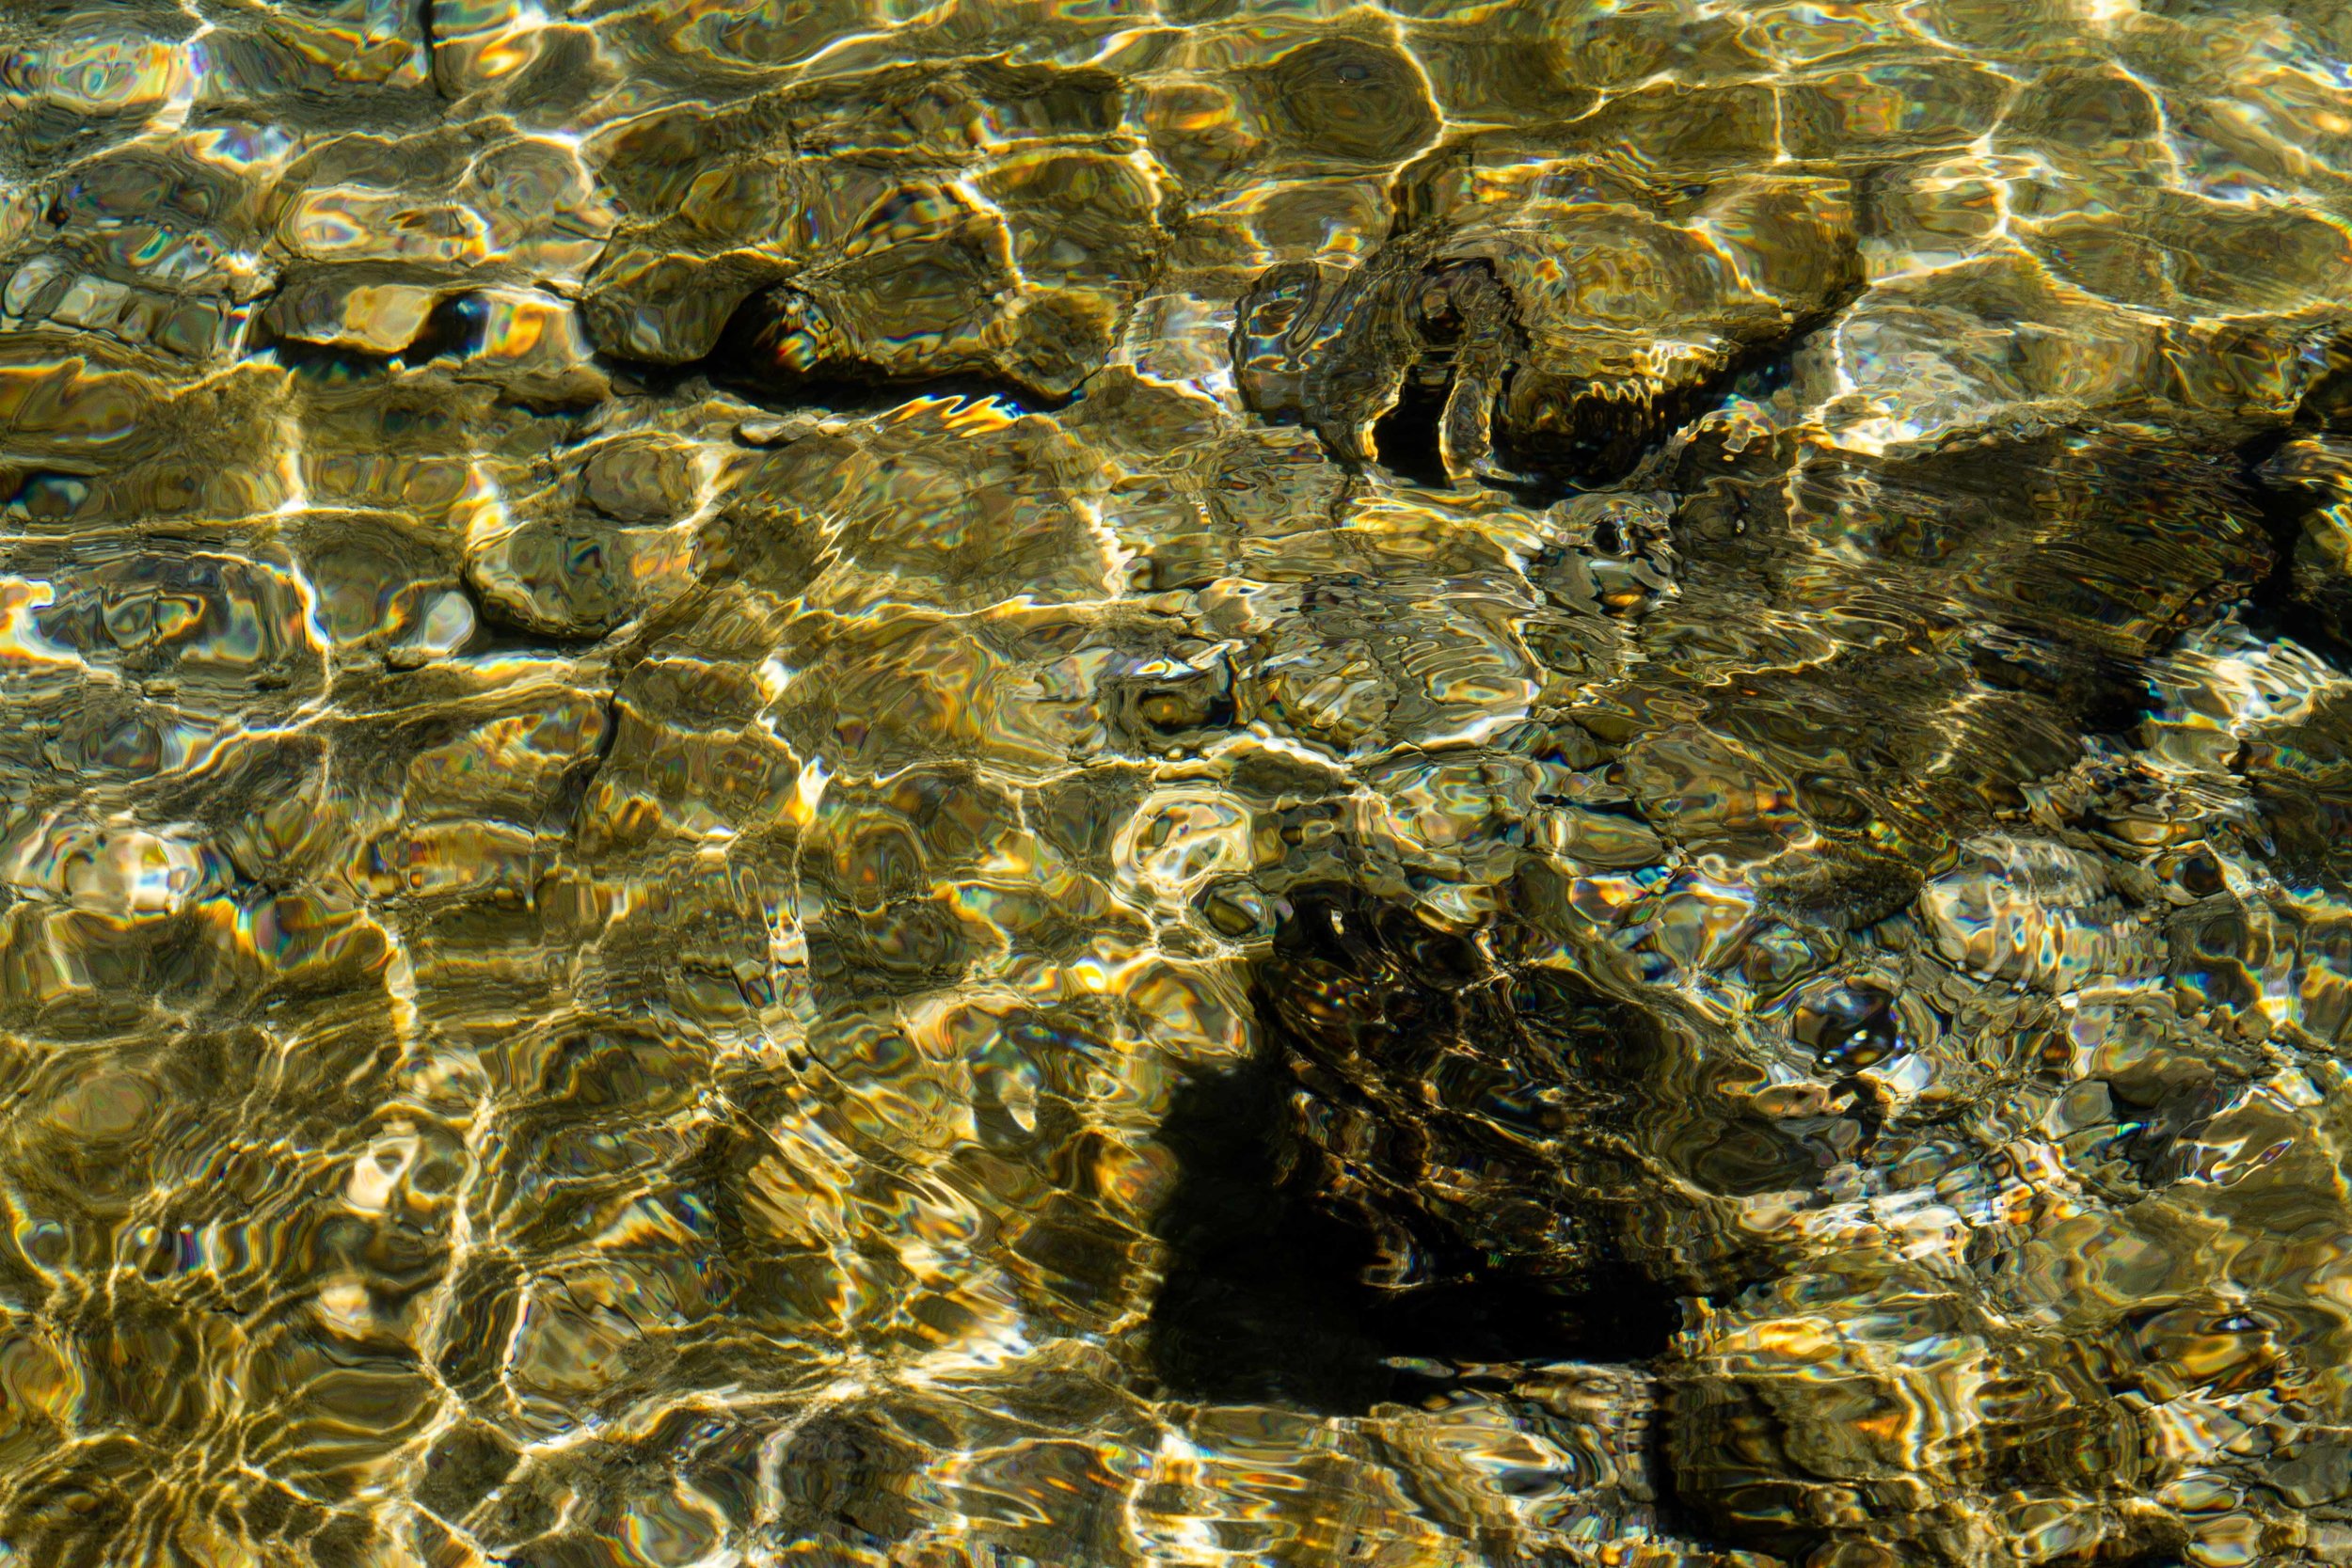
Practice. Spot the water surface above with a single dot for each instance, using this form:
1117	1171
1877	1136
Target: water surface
1525	783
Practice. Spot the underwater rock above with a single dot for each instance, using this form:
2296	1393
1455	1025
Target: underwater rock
1495	333
1541	785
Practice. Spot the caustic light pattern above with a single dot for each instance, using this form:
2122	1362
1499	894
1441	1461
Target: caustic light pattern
1563	784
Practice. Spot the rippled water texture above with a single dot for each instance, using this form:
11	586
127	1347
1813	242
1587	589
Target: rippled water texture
1534	782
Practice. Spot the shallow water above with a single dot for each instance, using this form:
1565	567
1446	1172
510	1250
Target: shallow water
830	783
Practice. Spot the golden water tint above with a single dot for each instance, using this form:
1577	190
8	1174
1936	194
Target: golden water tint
1533	783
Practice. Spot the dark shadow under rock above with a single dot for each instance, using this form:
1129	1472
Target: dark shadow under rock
1291	1280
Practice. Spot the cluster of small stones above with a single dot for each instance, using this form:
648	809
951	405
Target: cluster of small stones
669	669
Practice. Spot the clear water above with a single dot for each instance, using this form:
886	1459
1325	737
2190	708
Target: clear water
1529	782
